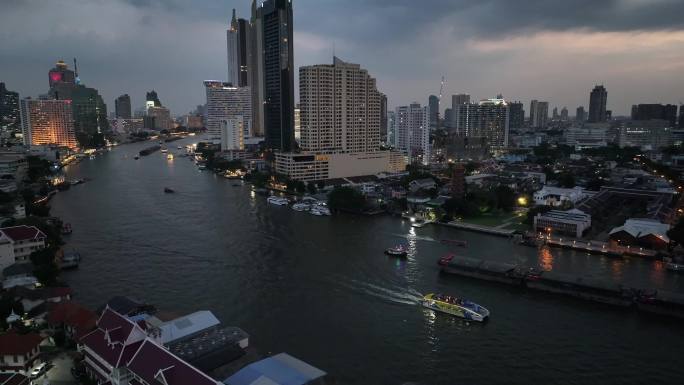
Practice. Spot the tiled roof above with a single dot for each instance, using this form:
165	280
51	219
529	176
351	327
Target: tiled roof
23	233
12	343
13	379
74	315
42	293
157	366
107	341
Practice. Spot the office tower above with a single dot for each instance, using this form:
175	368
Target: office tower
655	111
597	104
161	116
391	128
383	119
122	107
232	134
488	120
539	114
340	108
433	106
225	102
233	50
555	113
298	123
564	114
152	99
275	94
456	101
412	134
48	122
239	43
517	112
449	122
9	109
61	74
580	115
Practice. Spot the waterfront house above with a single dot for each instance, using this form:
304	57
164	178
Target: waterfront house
35	300
18	242
280	369
571	222
13	379
647	233
74	319
18	352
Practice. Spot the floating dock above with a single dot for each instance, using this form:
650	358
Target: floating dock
585	288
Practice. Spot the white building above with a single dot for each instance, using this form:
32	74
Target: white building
571	222
226	102
539	114
315	167
556	196
18	242
586	137
233	134
645	134
412	132
488	120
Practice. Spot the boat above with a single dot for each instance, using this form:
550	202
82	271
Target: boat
136	157
676	267
169	156
274	200
70	260
169	190
301	206
164	150
454	242
455	306
418	223
149	150
444	261
180	147
397	251
320	210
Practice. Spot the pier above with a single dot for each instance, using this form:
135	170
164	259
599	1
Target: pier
592	247
479	228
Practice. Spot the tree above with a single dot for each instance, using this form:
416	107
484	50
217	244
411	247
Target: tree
300	187
347	199
505	198
311	187
676	233
566	180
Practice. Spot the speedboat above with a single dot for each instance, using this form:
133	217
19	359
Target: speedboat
274	200
136	157
164	150
455	306
397	251
169	156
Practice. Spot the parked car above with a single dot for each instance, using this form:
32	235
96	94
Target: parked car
38	370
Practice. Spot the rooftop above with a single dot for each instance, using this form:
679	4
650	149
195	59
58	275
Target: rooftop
23	233
187	325
12	343
281	369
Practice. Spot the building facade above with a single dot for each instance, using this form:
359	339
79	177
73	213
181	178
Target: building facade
555	222
433	110
225	102
233	134
412	132
598	100
48	122
340	108
645	134
161	116
539	114
666	112
9	109
122	107
486	122
517	115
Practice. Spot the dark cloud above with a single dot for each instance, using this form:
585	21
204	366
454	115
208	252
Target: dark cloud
130	46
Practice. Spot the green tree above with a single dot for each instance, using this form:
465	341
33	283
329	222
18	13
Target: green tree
676	233
505	198
347	199
300	187
566	180
311	187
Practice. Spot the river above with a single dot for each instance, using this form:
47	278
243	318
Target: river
321	289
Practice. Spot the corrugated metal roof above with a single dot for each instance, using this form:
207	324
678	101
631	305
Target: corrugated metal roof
187	325
281	369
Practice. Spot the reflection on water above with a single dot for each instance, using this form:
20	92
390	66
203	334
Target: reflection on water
617	268
545	258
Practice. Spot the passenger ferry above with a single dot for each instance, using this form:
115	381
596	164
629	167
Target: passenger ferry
274	200
455	306
397	251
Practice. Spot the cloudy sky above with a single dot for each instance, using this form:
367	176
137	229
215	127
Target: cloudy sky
553	50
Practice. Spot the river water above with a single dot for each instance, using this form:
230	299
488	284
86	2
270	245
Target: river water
321	289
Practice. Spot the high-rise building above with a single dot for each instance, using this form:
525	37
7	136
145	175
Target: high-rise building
412	134
517	112
489	120
48	122
233	50
275	97
384	127
564	114
580	115
555	115
456	101
449	120
9	109
152	99
161	116
298	123
433	106
340	108
122	107
226	102
598	100
459	99
391	128
539	114
239	44
655	111
61	74
232	133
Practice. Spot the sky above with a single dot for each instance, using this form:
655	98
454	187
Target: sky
525	49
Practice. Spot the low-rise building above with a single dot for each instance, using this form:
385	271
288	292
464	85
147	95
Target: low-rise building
422	184
586	137
648	233
556	196
278	369
18	352
572	222
320	167
74	319
18	242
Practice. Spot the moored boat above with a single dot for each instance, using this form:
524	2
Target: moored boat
397	251
320	210
418	223
455	306
444	261
301	206
274	200
675	267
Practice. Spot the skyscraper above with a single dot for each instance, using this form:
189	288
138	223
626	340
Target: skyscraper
655	111
384	128
555	115
564	114
488	120
239	44
597	104
433	105
48	122
456	101
340	108
9	109
539	114
225	102
412	134
517	115
122	107
273	26
152	99
233	50
580	115
61	74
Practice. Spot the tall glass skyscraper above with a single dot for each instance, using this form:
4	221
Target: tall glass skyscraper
597	105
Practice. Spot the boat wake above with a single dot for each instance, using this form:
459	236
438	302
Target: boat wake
410	237
398	295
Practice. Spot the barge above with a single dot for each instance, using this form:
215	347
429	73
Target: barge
150	150
580	287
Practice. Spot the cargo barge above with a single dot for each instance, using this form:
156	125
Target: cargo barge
585	288
150	150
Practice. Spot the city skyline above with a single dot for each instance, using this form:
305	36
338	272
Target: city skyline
445	39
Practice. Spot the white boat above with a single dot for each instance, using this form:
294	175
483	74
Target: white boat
418	223
274	200
164	150
320	210
301	206
455	306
